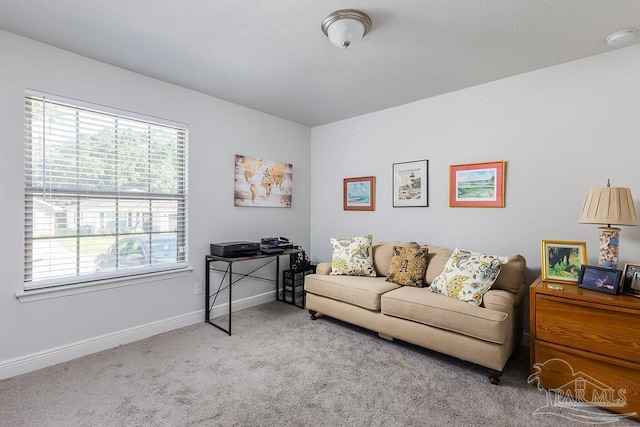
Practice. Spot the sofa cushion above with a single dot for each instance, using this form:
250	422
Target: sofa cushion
440	311
436	261
408	266
468	275
352	256
359	291
383	252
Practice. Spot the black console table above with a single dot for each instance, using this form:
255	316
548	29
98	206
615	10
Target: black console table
228	274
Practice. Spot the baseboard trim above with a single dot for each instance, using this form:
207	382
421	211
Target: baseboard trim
42	359
241	304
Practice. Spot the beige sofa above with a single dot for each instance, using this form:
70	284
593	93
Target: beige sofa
486	335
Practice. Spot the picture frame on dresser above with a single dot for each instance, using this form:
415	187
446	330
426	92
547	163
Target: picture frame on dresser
631	279
562	260
600	279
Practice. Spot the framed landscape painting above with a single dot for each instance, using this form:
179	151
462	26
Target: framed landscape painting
359	194
562	260
411	184
477	185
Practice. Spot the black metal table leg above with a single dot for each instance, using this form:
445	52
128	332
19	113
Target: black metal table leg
278	280
207	290
230	283
209	305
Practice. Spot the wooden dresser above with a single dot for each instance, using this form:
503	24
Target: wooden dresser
586	343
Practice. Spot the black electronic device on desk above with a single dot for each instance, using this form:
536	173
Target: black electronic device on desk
234	249
274	245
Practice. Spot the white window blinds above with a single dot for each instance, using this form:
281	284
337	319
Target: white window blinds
105	193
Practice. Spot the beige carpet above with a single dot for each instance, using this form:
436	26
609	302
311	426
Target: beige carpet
279	368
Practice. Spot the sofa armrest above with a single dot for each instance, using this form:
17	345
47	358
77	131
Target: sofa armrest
506	302
323	268
499	300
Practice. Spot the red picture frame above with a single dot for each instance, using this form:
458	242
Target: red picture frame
477	185
359	194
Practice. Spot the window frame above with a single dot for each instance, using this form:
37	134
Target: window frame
179	198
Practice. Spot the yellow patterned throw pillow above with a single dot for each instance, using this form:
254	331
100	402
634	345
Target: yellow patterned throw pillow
468	275
408	266
352	257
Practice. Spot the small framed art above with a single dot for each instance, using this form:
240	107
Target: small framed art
359	194
477	185
631	279
635	284
562	260
600	279
411	184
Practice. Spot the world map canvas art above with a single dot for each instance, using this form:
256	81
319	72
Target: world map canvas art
262	183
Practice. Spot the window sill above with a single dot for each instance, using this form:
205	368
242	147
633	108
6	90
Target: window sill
101	285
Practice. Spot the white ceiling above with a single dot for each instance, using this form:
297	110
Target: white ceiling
273	57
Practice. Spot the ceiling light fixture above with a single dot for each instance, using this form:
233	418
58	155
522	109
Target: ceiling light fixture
346	26
620	37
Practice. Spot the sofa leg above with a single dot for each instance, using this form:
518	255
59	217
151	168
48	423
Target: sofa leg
313	314
494	376
385	336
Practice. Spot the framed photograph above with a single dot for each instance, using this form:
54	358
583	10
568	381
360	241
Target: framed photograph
359	194
477	185
631	279
635	283
411	184
600	279
561	260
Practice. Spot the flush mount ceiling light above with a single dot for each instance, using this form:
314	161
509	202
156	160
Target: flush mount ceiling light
346	26
620	37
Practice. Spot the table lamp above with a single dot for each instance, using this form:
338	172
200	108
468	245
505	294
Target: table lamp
610	206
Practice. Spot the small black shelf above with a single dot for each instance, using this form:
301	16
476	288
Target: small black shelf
293	286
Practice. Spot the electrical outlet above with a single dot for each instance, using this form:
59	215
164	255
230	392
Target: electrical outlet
197	288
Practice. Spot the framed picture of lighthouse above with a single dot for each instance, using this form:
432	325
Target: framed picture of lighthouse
411	184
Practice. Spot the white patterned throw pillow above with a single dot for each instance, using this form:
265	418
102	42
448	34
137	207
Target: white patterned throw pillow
468	275
353	256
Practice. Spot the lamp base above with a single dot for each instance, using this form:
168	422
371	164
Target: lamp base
608	255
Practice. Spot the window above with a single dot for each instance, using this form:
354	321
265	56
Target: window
105	193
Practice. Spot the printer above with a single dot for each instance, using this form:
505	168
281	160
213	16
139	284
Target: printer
234	249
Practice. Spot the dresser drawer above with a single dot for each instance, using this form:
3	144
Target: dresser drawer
608	330
601	381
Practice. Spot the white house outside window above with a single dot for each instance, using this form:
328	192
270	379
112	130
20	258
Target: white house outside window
105	193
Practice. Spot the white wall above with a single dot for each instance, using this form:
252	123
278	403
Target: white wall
562	130
217	131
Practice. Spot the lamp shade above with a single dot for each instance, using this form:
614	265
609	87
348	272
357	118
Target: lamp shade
609	205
